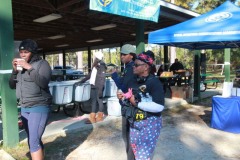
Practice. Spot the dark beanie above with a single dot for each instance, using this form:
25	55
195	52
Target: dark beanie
151	54
29	45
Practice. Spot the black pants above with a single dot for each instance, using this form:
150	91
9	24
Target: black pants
126	138
96	101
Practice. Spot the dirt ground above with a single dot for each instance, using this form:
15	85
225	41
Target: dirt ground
186	135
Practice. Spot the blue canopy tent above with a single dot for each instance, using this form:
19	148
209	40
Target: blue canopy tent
216	29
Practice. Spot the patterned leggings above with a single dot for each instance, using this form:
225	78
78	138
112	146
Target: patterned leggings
144	135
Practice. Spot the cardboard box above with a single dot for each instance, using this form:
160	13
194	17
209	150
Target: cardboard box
178	92
184	92
166	74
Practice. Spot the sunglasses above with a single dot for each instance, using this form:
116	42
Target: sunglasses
137	65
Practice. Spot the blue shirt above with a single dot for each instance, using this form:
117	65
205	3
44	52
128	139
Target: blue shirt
38	109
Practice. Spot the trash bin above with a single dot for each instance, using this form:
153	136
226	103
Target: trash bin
113	106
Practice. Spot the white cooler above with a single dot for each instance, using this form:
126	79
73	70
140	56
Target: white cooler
113	106
110	89
61	91
82	92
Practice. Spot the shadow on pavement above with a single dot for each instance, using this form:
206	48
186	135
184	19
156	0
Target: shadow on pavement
61	146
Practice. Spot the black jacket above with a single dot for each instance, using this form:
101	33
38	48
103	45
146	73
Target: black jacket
100	77
153	87
32	85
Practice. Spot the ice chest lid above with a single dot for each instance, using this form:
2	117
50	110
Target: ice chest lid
62	83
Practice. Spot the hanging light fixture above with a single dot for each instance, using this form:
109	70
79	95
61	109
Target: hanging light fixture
48	18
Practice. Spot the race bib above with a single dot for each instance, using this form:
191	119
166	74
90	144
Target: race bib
140	115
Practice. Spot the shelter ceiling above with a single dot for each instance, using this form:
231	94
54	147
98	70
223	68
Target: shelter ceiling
77	21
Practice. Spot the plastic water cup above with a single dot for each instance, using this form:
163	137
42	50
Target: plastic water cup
19	68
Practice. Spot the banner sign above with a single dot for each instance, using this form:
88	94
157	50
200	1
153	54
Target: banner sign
140	9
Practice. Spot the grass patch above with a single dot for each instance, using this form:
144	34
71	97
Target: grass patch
20	152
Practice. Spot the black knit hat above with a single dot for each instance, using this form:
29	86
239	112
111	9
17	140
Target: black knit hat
151	54
29	45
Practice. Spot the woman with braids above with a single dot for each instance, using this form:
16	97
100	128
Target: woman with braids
142	105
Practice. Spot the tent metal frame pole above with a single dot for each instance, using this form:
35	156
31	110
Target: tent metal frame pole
166	61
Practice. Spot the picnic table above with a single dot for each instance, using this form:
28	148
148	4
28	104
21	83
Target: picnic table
207	79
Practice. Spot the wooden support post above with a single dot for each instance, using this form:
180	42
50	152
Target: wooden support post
166	61
89	59
9	102
140	36
227	64
197	73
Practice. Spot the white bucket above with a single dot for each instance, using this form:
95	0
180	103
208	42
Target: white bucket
113	106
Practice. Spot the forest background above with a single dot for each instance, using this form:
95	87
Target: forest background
112	56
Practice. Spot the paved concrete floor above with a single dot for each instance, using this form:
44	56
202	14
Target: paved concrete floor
60	123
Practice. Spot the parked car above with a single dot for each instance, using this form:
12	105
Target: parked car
71	73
